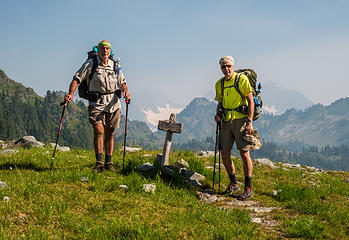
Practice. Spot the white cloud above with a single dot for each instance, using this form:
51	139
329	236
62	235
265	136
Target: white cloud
271	109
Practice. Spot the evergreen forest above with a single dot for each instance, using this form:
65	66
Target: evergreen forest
23	112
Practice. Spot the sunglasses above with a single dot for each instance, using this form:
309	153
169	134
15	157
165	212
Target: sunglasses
224	66
104	47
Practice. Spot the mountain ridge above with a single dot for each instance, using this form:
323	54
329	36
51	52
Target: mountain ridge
316	125
23	112
293	136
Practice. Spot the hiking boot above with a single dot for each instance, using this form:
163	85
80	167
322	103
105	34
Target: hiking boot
232	188
246	194
99	166
109	166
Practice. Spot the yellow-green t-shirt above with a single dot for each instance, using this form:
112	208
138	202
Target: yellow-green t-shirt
232	98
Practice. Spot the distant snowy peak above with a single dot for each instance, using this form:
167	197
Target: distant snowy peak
162	113
270	109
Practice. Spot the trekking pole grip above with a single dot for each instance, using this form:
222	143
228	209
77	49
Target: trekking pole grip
63	103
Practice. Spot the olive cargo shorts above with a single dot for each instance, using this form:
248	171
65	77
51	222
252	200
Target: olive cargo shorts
109	120
234	131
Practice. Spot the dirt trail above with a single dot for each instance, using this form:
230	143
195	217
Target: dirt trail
259	213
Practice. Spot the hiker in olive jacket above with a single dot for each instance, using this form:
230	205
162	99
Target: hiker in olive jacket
103	114
234	124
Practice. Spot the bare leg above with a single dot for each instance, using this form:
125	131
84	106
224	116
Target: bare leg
109	141
98	131
228	163
247	163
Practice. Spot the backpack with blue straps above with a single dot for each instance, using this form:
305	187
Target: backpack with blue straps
83	88
258	103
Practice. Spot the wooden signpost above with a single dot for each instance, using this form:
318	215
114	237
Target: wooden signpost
170	126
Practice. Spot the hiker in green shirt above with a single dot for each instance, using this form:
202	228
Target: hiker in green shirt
234	124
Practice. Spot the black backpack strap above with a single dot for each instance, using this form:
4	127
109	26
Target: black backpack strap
222	85
93	70
236	85
222	89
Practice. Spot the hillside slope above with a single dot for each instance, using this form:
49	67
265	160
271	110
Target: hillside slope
72	202
23	112
316	125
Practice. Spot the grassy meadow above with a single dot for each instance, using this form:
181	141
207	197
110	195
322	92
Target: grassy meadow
59	205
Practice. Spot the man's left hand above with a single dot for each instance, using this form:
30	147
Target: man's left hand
127	96
249	128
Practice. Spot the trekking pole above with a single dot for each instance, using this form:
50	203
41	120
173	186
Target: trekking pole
219	156
215	157
127	101
59	131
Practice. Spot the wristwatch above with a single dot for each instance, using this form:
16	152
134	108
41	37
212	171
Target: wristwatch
249	120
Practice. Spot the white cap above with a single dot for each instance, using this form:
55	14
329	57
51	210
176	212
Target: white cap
226	59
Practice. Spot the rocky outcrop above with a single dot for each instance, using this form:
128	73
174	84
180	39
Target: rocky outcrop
178	169
273	165
28	142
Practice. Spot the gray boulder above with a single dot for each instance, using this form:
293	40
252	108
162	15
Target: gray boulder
131	149
265	161
84	179
7	199
289	165
158	160
181	164
123	187
149	187
169	170
9	151
60	148
208	197
190	175
206	153
3	185
193	183
28	142
145	167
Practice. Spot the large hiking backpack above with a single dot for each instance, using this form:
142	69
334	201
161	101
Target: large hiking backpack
83	88
258	103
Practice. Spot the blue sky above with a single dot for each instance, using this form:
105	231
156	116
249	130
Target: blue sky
173	47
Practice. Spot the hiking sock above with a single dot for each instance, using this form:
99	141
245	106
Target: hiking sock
248	182
99	157
107	158
232	178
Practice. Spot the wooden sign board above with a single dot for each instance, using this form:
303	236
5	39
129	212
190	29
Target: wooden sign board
167	125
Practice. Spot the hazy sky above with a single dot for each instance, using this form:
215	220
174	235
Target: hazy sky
174	46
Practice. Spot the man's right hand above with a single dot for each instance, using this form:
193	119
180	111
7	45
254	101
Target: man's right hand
68	98
217	118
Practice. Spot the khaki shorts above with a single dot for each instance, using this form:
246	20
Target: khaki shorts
234	131
109	120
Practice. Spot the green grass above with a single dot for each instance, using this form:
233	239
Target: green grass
58	205
305	227
316	205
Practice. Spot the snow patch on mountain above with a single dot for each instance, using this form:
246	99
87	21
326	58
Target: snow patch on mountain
271	109
162	113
